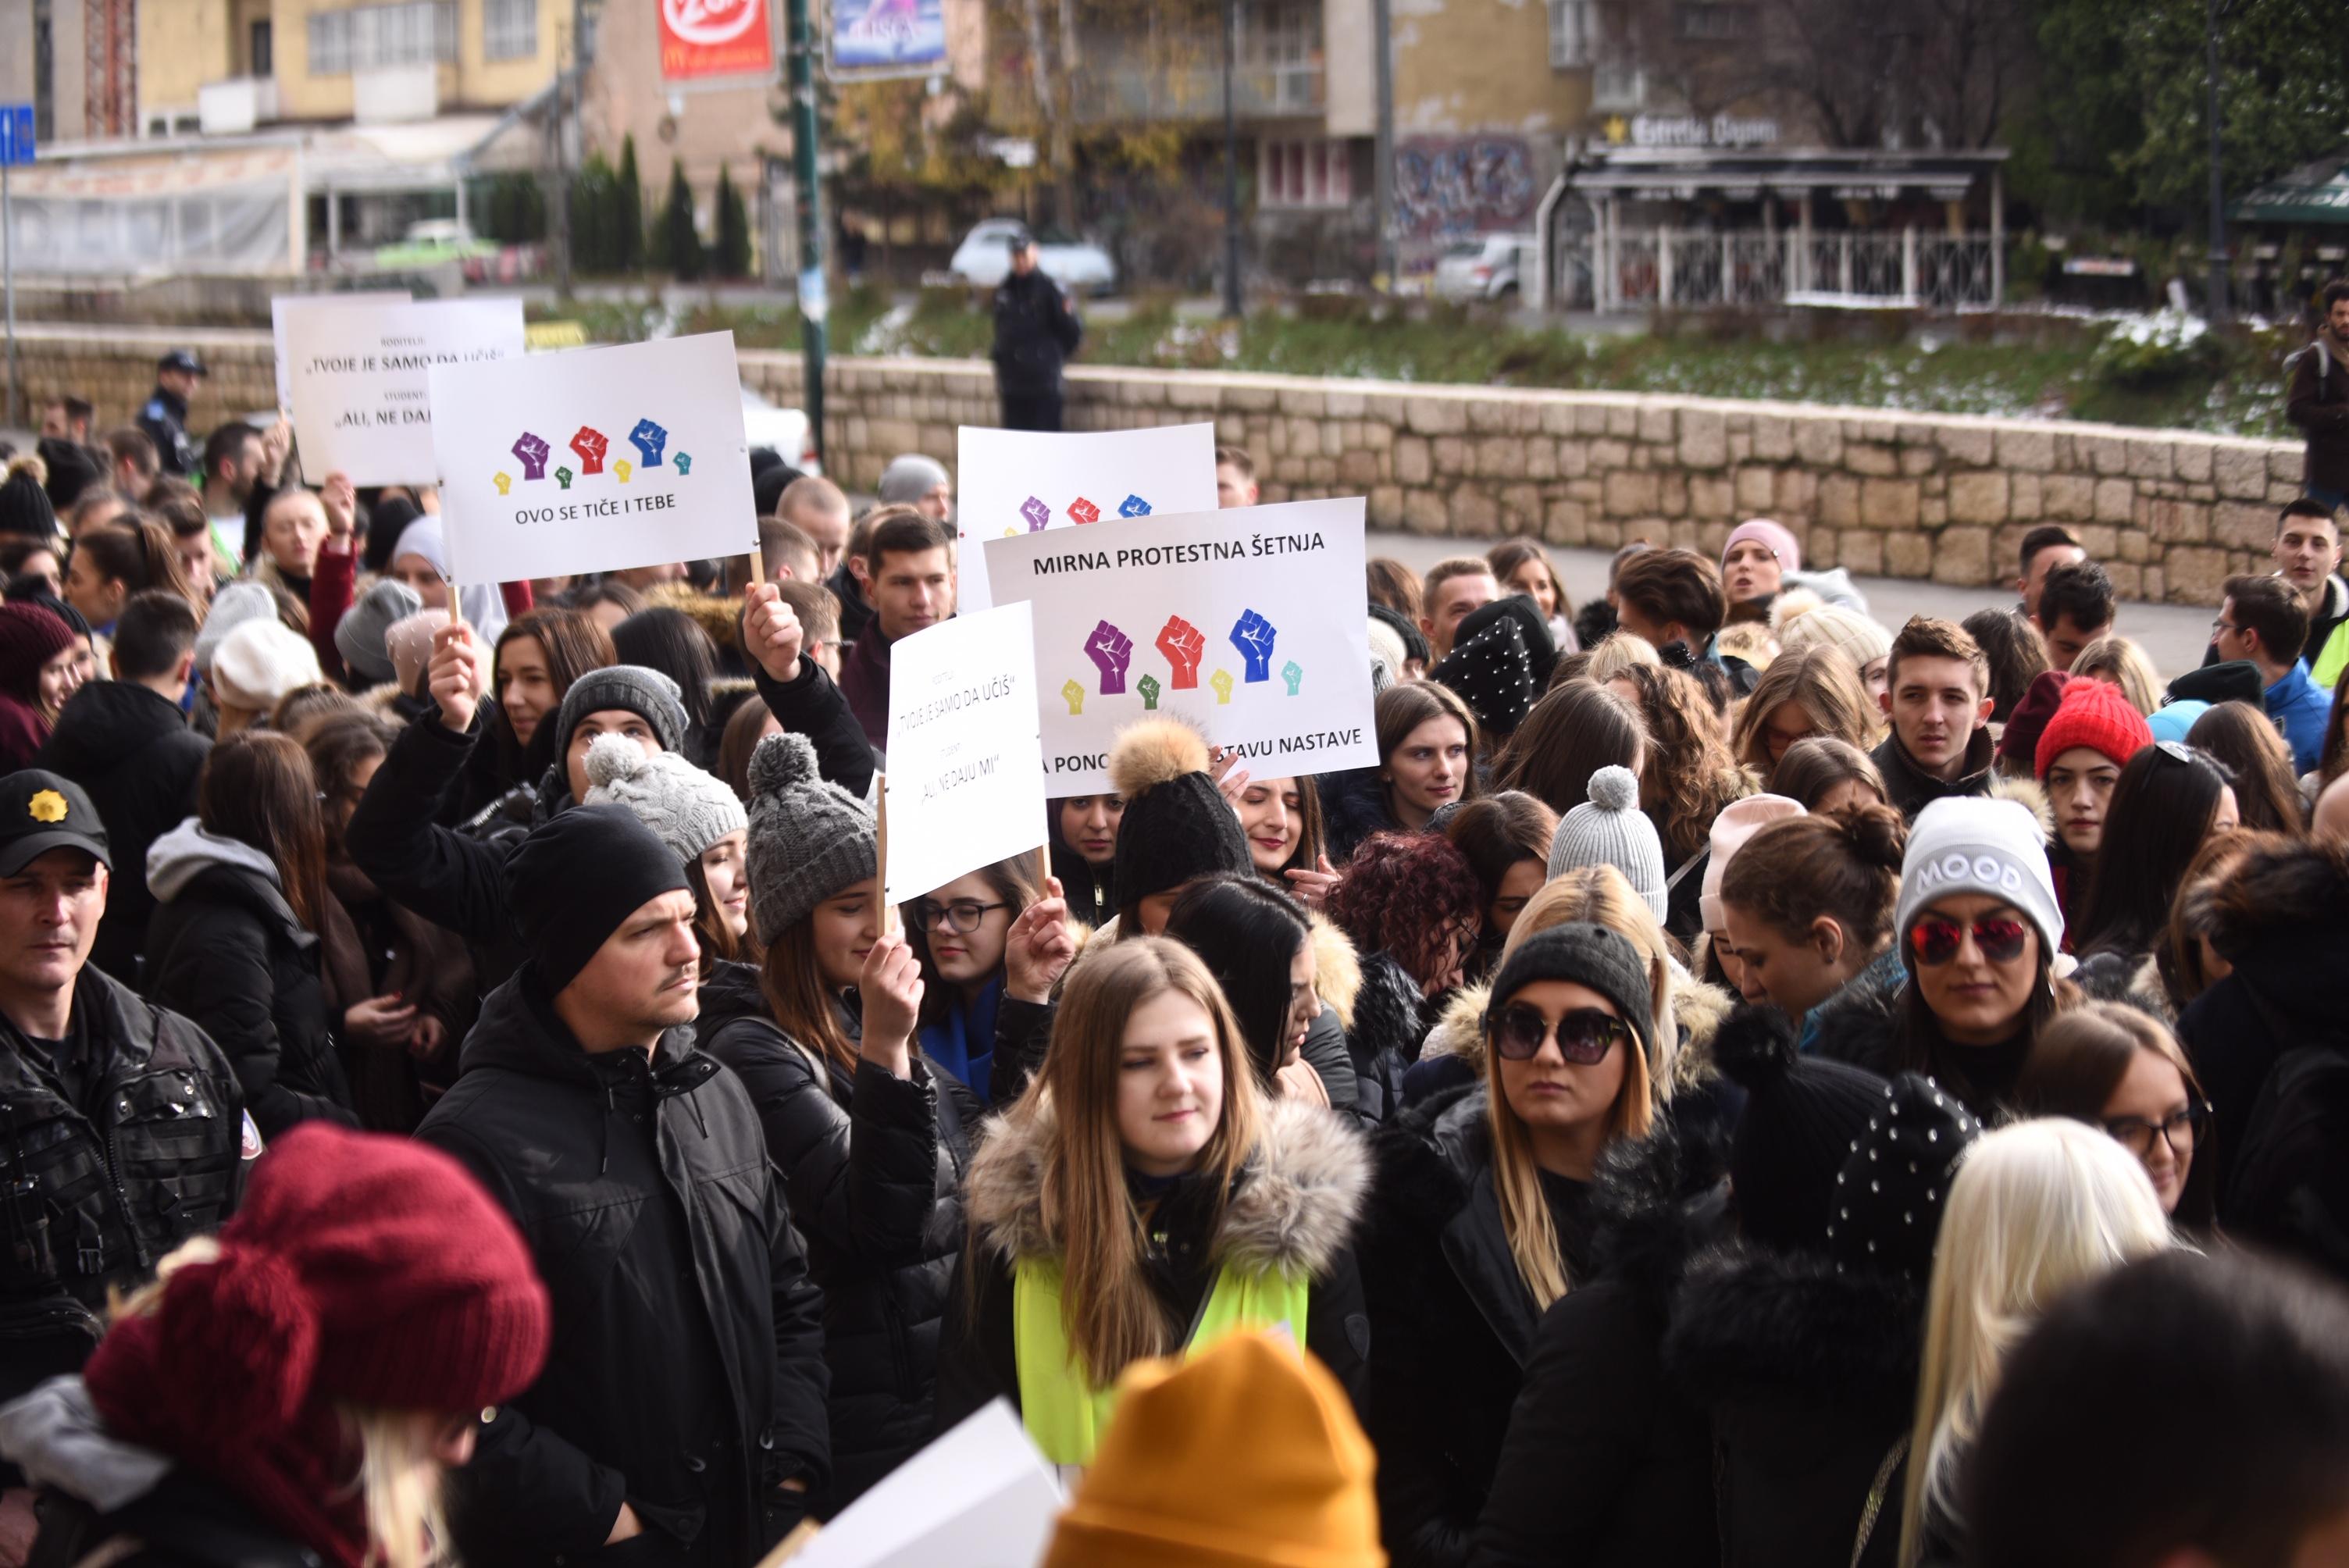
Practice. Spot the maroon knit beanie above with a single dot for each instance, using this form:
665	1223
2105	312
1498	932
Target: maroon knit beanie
29	637
2038	704
2097	715
362	1269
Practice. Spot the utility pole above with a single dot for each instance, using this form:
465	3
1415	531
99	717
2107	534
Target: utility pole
814	302
2218	306
564	81
1232	308
1382	153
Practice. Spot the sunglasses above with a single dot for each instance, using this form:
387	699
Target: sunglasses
961	917
1935	938
1584	1035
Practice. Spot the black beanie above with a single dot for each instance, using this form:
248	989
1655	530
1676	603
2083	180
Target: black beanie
1414	641
1492	671
1896	1178
72	470
1588	954
577	877
25	507
1541	647
2230	680
1802	1115
1177	824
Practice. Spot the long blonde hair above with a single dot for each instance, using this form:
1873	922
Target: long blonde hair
2127	665
1516	1179
398	1480
1107	1309
1825	683
1602	895
2038	1209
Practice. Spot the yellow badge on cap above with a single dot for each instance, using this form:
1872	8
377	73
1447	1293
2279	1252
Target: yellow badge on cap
47	806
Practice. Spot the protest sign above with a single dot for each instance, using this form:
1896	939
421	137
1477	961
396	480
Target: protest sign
1245	623
980	1497
356	379
966	779
595	459
1026	482
285	307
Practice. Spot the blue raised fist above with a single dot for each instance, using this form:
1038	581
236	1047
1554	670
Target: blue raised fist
1253	635
650	440
1133	506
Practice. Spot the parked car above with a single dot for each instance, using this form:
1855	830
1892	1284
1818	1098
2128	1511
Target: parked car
431	241
784	429
1079	266
1483	268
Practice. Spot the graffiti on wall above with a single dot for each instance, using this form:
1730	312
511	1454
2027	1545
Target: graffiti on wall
1448	186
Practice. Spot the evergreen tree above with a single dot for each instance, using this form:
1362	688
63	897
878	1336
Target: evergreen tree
595	198
731	246
679	241
628	220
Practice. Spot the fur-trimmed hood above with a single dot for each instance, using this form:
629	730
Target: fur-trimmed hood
1698	1009
1294	1207
1336	968
721	618
1753	1324
2027	794
1661	1201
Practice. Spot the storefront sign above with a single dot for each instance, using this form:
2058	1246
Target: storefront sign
716	38
1692	130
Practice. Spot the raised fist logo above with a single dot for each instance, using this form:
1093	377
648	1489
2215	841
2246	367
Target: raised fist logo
1252	634
1037	514
1222	681
504	481
531	452
1294	674
1111	651
1133	506
1149	688
590	444
623	470
684	462
1084	510
1182	643
1073	692
562	476
650	440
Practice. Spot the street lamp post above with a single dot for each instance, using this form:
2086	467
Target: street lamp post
1231	168
2218	306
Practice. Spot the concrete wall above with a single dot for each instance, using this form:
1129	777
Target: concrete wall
1942	497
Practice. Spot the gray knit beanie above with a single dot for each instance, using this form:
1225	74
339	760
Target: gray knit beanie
360	636
648	694
232	607
810	839
909	478
687	807
1610	830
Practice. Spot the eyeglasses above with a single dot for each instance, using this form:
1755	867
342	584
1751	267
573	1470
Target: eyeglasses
2224	624
1584	1035
1999	937
2182	1129
961	917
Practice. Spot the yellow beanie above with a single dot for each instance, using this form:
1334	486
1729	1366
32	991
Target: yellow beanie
1249	1454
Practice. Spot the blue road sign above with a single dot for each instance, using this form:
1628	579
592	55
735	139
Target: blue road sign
16	133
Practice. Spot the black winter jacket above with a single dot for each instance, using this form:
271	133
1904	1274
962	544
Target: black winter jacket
226	950
686	1375
1391	1017
1911	788
186	1521
1035	333
1606	1461
1452	1325
2316	398
1809	1375
873	1165
1868	1028
132	750
1354	807
1294	1207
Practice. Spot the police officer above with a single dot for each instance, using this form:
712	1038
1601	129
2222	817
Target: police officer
1035	333
122	1128
165	417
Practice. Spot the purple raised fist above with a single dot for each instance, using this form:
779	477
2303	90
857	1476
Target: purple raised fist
1111	651
531	452
1253	635
590	444
650	440
1037	514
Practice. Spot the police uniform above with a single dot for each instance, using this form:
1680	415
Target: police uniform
165	419
117	1142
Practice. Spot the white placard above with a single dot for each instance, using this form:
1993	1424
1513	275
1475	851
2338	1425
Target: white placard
357	374
979	1497
594	459
1010	482
966	777
285	307
1246	622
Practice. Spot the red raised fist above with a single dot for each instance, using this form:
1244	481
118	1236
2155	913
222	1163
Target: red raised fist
590	444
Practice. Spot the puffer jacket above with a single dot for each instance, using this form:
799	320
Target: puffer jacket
1354	807
226	950
873	1165
686	1375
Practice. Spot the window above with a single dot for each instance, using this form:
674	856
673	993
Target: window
1304	173
421	33
510	29
1716	23
261	54
330	43
1573	33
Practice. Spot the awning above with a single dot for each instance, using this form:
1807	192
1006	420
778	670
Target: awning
1682	173
2315	192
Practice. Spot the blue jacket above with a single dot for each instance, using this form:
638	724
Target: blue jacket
2298	708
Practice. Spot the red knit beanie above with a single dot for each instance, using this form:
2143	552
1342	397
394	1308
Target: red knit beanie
361	1271
29	637
2094	714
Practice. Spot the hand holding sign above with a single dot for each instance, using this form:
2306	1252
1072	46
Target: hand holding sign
340	500
591	445
533	453
1183	644
1253	635
1111	651
650	440
772	633
1037	947
891	988
454	677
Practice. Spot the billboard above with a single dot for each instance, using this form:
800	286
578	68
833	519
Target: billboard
716	38
889	37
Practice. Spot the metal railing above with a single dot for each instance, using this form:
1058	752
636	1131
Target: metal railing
1259	92
1632	270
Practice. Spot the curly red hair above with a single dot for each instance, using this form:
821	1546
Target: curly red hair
1405	894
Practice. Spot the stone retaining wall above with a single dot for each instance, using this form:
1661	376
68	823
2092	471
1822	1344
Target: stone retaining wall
1943	496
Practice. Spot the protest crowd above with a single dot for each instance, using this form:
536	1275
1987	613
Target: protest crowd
1733	1082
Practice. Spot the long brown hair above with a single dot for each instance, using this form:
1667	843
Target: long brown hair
1017	881
1108	1310
574	642
137	552
2238	734
2081	1058
1572	732
797	992
257	788
1690	774
1823	681
718	944
2194	913
1844	866
1405	706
